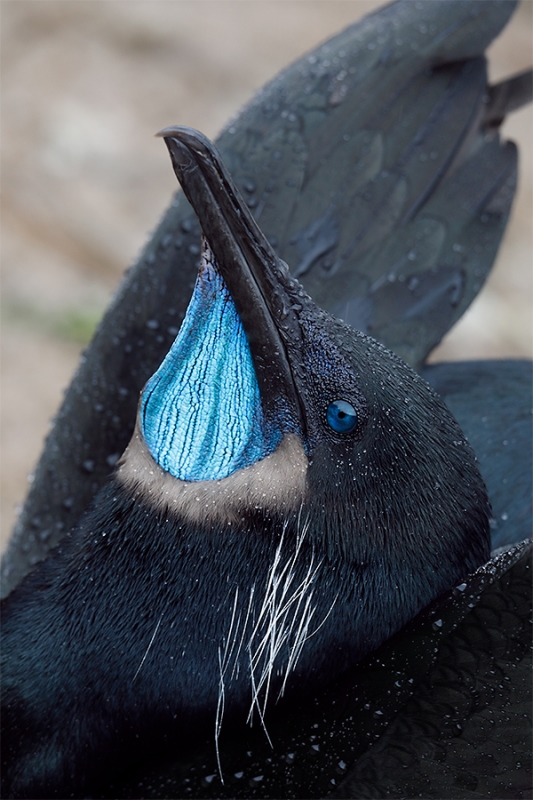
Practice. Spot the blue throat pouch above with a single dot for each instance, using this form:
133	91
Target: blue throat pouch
201	414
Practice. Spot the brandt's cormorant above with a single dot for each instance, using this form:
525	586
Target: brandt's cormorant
300	469
461	659
293	494
352	161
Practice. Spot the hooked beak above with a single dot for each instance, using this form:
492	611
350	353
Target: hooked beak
258	281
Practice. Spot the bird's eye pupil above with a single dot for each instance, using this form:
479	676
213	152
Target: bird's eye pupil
341	416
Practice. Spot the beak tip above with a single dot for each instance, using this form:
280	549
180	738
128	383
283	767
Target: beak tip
166	133
190	138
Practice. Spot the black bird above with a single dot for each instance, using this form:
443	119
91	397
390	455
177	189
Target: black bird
484	164
401	97
293	494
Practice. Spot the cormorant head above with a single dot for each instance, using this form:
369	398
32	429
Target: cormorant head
267	407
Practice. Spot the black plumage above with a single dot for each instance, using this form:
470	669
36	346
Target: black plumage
491	401
116	514
281	152
442	710
389	513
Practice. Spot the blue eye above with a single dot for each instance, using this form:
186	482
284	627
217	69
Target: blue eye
341	416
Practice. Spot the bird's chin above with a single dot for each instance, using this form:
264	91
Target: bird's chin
276	484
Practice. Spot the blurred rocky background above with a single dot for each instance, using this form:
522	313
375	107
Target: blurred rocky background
85	85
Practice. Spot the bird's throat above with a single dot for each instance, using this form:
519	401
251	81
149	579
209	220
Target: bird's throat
201	415
276	484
